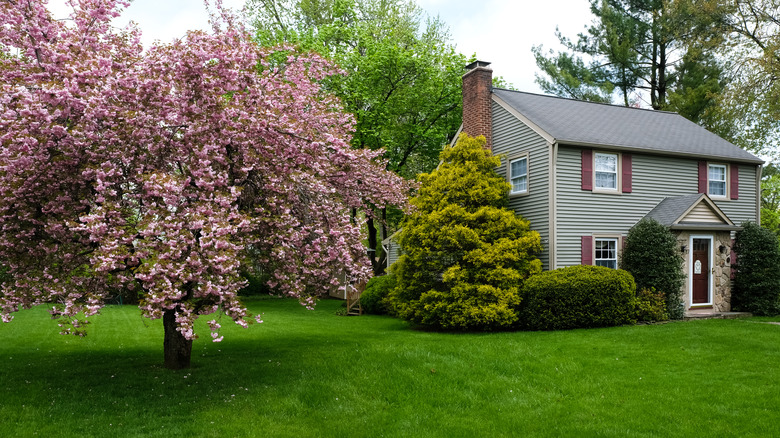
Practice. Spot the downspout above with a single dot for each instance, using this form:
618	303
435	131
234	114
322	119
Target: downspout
758	191
553	206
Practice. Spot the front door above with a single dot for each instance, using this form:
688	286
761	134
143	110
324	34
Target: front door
701	271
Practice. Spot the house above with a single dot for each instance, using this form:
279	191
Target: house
584	173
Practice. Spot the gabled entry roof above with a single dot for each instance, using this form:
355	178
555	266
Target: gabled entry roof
691	212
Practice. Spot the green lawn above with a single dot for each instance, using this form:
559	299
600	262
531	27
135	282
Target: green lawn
312	373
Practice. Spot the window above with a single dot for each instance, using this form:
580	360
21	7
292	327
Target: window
518	175
606	171
606	252
716	180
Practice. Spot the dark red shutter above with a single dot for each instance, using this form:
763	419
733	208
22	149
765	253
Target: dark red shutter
626	173
734	181
733	260
587	169
587	250
702	177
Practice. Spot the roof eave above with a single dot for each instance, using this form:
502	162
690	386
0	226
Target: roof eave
616	147
704	227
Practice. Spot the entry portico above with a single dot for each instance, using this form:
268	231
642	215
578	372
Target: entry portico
703	233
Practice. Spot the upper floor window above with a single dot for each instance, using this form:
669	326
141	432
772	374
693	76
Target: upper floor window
716	180
518	175
719	180
606	171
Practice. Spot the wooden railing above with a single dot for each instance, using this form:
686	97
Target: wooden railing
353	292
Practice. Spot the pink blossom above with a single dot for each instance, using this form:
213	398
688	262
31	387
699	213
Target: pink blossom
159	170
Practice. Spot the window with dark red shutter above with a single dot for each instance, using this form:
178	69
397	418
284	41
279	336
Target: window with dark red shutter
626	173
734	181
587	250
587	169
702	177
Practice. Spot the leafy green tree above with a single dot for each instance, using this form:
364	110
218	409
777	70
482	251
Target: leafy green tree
751	48
466	255
651	256
770	198
403	79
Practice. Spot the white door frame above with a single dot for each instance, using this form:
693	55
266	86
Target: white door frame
711	264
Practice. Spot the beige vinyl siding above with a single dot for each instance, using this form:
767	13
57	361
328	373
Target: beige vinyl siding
512	137
702	213
744	208
581	212
393	251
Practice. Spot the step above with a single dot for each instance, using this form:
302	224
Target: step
712	314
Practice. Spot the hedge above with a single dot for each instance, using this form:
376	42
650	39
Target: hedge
578	297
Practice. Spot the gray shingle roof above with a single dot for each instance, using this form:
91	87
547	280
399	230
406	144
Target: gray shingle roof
670	209
588	123
669	212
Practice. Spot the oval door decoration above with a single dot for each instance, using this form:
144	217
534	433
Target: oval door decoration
697	267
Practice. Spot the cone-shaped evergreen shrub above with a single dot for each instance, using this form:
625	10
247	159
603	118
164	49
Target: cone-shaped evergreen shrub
652	256
466	255
757	281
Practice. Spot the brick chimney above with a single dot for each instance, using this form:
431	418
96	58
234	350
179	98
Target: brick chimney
477	87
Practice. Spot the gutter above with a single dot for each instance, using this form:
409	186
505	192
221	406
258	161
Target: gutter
616	147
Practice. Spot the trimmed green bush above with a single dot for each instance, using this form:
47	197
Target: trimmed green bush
578	297
465	254
651	306
757	281
373	297
651	254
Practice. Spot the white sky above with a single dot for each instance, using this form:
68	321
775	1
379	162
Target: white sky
498	31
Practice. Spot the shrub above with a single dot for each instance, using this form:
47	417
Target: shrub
651	255
373	297
651	306
465	254
757	280
578	297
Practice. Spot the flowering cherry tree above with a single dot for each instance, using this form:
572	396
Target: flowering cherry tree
167	170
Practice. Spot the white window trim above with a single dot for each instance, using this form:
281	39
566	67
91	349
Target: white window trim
711	238
726	177
618	169
509	161
618	247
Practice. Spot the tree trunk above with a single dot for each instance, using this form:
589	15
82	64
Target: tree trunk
371	250
662	76
176	347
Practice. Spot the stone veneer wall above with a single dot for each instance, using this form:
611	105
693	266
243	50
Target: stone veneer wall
722	278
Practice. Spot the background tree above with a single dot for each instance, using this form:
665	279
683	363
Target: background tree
651	255
638	49
402	84
161	170
713	61
465	254
770	198
751	50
